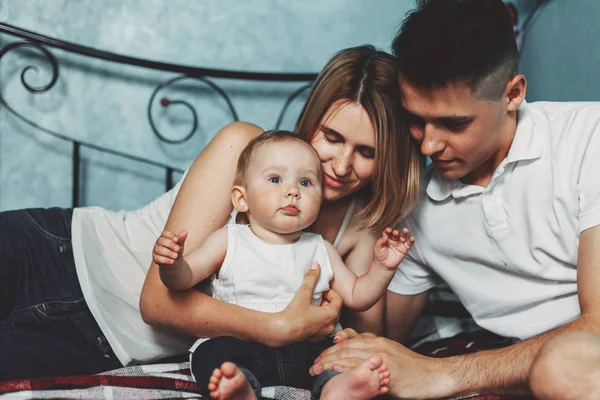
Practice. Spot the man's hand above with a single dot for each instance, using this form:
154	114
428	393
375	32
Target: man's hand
168	249
391	247
412	375
302	320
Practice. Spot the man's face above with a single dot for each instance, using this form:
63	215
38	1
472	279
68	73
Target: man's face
465	136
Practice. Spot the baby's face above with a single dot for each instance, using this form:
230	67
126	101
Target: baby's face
284	186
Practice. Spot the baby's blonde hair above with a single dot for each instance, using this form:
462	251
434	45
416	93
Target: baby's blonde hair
272	136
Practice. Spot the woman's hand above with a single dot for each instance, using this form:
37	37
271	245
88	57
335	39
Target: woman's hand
302	320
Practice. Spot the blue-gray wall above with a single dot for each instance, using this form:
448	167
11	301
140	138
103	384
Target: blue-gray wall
561	53
105	104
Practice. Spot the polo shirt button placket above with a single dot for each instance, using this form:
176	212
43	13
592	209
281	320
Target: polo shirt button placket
494	212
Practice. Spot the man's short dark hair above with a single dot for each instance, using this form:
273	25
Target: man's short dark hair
469	42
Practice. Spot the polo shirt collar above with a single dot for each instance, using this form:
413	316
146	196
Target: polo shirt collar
438	189
526	146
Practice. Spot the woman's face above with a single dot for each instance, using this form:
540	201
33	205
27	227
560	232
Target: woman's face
345	143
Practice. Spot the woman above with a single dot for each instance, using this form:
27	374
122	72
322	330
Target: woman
372	170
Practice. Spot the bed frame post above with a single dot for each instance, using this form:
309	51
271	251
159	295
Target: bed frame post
75	183
169	179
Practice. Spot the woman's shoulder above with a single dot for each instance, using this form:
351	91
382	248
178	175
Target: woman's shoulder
232	138
241	130
355	227
360	202
355	233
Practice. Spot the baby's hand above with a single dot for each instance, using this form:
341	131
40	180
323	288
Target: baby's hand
349	333
168	249
391	247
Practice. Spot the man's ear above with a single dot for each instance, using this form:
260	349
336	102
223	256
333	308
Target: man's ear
515	92
238	198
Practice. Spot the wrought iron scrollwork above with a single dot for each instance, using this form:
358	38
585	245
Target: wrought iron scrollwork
37	42
166	102
49	57
41	89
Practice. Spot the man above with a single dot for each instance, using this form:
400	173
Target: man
509	216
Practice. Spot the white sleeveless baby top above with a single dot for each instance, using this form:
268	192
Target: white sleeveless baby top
264	276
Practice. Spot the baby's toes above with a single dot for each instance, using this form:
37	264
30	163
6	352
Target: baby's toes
384	389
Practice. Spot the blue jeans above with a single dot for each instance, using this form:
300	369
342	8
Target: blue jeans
262	365
46	328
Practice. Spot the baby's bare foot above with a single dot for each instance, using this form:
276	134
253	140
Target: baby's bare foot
228	382
366	381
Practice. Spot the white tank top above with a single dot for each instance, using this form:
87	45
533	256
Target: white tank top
113	252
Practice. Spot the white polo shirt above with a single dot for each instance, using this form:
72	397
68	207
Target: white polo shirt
509	251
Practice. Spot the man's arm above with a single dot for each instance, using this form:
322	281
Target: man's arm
514	362
500	371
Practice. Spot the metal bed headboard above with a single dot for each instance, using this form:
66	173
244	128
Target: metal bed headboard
42	43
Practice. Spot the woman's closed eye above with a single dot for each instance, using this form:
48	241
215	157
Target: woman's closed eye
332	138
367	152
330	135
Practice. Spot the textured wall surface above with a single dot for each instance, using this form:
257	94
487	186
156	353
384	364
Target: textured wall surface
561	54
105	103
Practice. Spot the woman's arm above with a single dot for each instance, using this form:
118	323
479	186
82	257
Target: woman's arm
402	313
196	314
202	206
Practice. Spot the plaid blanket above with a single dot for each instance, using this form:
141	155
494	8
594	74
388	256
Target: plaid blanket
173	380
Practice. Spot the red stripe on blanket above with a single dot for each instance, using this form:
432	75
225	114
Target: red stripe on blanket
86	381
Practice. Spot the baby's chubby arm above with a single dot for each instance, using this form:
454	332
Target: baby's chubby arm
361	293
181	273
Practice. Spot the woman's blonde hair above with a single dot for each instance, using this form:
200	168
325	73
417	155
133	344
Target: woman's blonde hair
369	77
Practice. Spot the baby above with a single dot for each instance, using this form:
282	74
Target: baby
261	265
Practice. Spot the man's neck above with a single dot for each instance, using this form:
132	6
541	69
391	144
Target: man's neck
482	175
